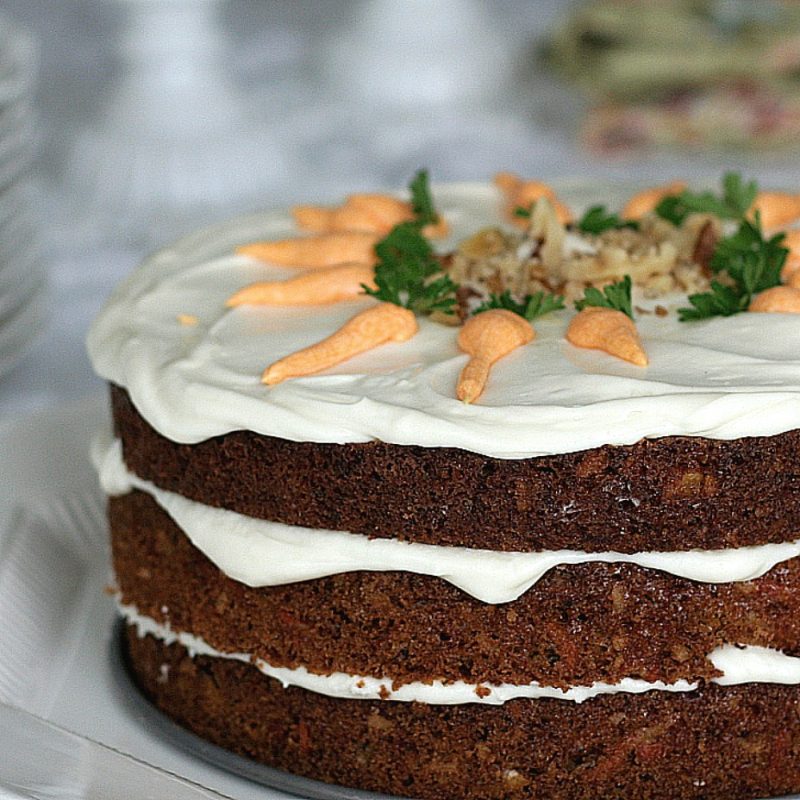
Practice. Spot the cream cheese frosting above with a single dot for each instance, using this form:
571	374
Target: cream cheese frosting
739	664
257	552
722	378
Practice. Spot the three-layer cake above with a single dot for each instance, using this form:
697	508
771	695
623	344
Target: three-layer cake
584	585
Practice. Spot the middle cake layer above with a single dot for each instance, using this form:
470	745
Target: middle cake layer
578	625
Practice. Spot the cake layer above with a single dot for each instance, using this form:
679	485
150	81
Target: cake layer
667	494
717	743
578	625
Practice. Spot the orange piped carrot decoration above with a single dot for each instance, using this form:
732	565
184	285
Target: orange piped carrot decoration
522	194
315	288
325	250
389	211
644	202
378	325
607	329
373	213
776	208
790	274
487	337
778	300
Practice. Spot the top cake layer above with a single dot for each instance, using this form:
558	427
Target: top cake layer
722	378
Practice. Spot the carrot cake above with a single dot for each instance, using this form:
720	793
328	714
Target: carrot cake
511	513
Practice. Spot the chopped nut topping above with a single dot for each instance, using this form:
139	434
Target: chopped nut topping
660	258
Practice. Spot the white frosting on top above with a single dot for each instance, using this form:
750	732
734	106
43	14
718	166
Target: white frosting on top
257	552
722	378
739	664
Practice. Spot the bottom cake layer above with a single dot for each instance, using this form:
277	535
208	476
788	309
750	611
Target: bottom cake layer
717	742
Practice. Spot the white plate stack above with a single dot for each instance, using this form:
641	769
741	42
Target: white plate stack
22	273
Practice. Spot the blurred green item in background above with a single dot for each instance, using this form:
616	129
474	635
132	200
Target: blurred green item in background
696	73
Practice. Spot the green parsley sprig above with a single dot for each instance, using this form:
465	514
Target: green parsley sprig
750	261
597	219
719	301
616	296
532	306
422	201
407	264
734	202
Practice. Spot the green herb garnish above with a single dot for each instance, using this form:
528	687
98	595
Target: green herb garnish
422	201
597	219
616	296
720	301
737	197
407	263
532	306
752	262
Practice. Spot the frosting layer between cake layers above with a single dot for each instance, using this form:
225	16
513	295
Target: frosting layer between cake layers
722	378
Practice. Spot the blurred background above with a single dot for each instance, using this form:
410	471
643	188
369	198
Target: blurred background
127	123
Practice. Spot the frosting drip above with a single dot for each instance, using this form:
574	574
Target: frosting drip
746	664
723	378
261	553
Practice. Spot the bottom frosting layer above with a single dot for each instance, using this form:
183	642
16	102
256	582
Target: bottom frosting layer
716	742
